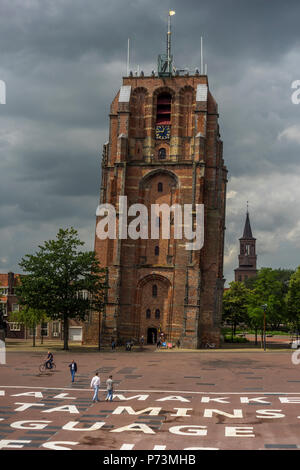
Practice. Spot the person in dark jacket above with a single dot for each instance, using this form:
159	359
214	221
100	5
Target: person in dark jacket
49	360
73	369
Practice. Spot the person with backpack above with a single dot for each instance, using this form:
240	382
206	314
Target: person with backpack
73	369
109	388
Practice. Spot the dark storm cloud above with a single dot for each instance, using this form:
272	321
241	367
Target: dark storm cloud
63	61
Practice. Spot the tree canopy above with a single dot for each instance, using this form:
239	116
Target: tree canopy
62	280
293	299
278	289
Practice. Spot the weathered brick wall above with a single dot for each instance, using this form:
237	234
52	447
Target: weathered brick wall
189	283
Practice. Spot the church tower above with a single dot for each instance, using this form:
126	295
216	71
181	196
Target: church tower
247	256
164	148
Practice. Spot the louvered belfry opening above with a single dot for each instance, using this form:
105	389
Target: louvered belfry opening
163	113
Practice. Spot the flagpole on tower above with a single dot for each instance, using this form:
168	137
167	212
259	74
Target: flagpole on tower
201	56
128	56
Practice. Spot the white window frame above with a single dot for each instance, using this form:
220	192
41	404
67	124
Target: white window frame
42	328
14	326
55	328
4	309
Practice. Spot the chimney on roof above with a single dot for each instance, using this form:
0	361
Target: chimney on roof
11	282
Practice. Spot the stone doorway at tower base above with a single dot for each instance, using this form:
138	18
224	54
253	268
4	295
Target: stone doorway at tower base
151	335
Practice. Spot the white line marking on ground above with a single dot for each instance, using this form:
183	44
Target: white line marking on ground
245	392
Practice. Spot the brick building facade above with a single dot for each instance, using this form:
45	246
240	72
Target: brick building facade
164	147
9	304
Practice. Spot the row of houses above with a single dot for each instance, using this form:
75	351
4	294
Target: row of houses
9	305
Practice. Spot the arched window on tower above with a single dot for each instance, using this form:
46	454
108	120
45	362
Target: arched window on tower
157	313
160	187
156	250
154	290
148	313
162	153
163	111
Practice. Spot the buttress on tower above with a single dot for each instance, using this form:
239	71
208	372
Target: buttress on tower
164	147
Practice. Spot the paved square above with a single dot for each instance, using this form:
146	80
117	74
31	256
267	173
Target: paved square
162	401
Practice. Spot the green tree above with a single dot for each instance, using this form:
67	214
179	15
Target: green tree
255	314
62	280
31	317
235	301
293	299
269	287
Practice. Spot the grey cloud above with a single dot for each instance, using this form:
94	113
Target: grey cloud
63	63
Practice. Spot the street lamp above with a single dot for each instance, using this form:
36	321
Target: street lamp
2	324
264	307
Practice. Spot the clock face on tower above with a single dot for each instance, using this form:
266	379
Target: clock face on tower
162	132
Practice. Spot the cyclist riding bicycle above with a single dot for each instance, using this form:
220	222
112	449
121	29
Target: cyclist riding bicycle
49	360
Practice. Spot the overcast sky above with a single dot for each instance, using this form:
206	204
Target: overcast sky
63	62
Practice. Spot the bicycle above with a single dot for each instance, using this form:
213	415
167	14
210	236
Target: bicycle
208	345
43	367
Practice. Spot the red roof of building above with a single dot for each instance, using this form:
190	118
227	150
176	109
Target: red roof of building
4	279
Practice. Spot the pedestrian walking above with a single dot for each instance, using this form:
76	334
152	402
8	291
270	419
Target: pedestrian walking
95	384
113	344
109	388
73	369
158	344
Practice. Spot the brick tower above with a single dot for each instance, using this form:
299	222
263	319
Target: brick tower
247	256
164	147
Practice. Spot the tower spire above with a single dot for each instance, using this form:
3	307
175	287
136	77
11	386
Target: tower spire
247	229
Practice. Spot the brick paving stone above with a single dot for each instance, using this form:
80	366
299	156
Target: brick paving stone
172	378
281	446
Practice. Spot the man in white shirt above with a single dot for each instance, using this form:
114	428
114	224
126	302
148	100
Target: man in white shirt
95	384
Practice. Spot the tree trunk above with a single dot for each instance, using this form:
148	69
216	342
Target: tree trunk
42	336
66	331
33	337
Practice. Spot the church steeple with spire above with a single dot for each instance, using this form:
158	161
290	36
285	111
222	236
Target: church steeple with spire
247	256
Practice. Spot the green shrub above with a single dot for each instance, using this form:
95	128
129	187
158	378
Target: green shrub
235	339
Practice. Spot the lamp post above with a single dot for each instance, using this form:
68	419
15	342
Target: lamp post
2	324
264	307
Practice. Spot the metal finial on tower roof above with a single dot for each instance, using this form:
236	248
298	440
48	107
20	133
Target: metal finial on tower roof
171	13
165	61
